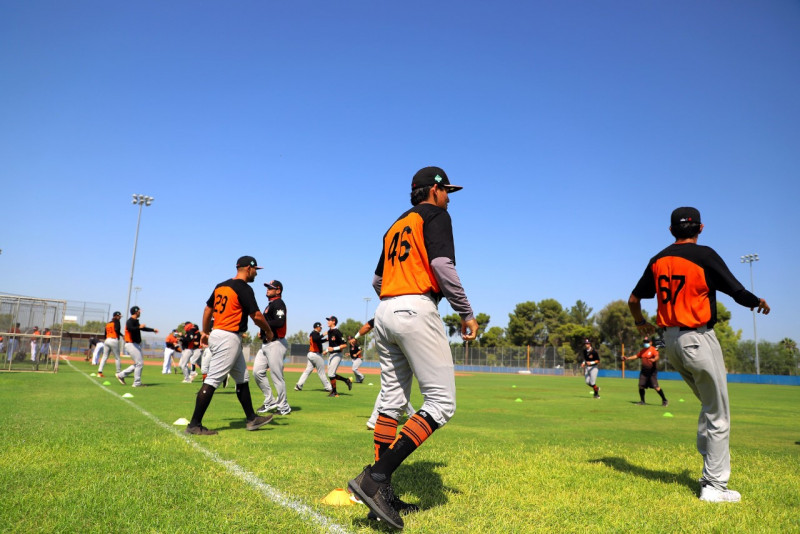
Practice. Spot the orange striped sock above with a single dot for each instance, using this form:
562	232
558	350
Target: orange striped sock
413	434
384	435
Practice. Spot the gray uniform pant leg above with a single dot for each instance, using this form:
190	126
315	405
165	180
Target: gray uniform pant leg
167	367
226	358
358	374
135	352
186	355
196	355
590	375
315	361
333	363
205	360
276	351
260	367
109	346
697	356
306	372
411	343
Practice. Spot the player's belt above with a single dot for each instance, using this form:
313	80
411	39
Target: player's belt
691	328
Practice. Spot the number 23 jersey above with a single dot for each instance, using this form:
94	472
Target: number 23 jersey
233	301
420	235
686	277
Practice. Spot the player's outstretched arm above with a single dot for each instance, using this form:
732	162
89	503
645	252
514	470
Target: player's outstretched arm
763	307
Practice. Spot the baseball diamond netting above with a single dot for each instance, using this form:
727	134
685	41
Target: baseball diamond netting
23	347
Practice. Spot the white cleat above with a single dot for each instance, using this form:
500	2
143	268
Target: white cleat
712	494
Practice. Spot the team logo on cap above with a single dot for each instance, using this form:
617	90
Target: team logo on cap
438	178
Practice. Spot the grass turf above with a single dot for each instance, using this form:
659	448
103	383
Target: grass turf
77	457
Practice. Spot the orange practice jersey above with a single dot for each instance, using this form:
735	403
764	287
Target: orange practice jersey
685	278
111	333
420	235
233	301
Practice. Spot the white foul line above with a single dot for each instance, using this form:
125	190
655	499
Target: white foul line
268	491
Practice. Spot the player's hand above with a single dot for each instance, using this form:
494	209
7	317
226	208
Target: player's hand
763	307
646	329
469	329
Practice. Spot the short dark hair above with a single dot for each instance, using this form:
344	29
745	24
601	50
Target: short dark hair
420	194
685	230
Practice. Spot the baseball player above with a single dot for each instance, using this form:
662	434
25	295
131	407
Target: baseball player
648	374
169	351
314	357
335	345
35	343
13	342
270	355
355	355
591	362
189	342
133	347
416	268
112	343
44	351
685	277
229	305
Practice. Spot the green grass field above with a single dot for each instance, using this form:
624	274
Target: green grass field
77	457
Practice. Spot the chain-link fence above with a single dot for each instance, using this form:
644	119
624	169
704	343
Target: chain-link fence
30	332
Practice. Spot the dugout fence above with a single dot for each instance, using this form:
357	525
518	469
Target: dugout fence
31	331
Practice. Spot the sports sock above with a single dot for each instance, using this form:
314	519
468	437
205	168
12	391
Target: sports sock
595	388
204	397
412	435
641	394
661	392
384	435
333	383
243	394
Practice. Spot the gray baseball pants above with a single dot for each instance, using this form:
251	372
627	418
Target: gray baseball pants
358	374
111	345
315	361
134	350
411	343
186	355
697	356
270	356
226	358
590	375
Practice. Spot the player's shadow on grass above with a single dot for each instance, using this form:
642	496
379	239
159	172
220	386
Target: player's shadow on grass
622	465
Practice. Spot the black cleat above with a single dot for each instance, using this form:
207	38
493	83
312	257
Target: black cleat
377	496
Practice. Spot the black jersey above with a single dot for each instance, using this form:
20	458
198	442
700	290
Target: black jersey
233	301
591	357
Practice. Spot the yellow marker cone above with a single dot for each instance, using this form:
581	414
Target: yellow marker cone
338	497
667	414
518	400
106	383
181	422
127	396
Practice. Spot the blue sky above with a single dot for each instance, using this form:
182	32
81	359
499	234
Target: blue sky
291	130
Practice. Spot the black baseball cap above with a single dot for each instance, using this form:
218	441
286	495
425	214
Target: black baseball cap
433	176
117	314
332	318
585	341
134	309
317	325
685	215
275	284
247	261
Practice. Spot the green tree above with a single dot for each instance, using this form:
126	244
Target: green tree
521	328
452	324
581	313
616	327
298	338
728	337
790	347
494	337
349	327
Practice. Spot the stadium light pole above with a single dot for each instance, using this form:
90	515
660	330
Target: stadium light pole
750	258
142	201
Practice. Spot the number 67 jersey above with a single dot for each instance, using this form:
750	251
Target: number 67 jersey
686	277
420	235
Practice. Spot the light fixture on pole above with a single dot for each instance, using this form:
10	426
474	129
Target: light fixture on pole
750	258
142	201
136	297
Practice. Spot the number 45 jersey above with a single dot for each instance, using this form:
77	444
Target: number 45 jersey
420	235
685	278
